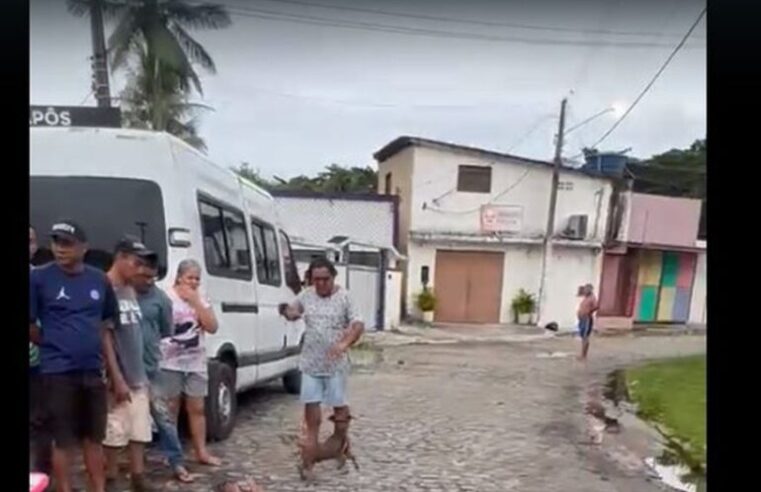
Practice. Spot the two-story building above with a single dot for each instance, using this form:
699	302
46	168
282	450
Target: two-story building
472	224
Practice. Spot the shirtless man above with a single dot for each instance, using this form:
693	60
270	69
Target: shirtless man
587	308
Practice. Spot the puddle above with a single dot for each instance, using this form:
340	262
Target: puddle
365	357
553	355
676	467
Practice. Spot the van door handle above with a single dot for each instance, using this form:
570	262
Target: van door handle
239	307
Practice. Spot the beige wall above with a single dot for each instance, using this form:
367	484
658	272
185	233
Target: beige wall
438	206
400	166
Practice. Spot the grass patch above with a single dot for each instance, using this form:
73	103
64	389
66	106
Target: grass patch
672	393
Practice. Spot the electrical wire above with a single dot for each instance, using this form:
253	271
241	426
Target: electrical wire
530	132
491	200
87	97
433	33
652	81
475	22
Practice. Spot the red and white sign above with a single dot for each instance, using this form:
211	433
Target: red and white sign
501	218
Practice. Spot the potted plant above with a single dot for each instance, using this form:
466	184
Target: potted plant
523	306
426	303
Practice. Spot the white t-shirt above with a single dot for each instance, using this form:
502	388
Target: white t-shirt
185	350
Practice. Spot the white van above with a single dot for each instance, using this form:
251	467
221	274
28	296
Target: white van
156	187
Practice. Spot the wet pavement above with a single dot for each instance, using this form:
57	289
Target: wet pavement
474	417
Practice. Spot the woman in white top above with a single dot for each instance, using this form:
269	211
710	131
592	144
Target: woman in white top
183	355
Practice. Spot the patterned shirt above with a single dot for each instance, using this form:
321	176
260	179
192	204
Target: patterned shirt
326	320
185	350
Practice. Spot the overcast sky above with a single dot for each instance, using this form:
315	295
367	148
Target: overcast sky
291	97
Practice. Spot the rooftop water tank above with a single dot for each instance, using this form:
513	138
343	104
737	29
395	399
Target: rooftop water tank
608	163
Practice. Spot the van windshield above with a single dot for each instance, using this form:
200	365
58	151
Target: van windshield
106	208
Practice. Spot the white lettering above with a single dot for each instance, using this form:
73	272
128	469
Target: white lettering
64	228
51	117
65	118
37	117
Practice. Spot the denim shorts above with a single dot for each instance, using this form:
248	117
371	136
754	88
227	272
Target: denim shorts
585	326
328	390
175	383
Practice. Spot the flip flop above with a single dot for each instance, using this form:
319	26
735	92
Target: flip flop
182	475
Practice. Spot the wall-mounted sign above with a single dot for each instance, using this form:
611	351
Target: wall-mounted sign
501	218
68	116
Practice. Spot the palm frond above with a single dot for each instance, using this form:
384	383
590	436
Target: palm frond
168	51
203	16
110	8
196	53
78	8
124	39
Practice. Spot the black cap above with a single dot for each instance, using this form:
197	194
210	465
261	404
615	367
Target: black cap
67	229
131	245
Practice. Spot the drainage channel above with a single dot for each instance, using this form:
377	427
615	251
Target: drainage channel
672	463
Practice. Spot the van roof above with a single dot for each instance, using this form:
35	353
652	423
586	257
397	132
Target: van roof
151	136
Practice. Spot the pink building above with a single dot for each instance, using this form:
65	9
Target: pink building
654	269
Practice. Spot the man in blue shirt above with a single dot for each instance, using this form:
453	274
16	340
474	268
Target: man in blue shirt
76	307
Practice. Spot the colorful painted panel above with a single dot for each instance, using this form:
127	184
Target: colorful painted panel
648	300
670	269
687	262
681	311
650	268
666	303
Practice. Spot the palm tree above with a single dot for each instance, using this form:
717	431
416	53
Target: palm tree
154	100
160	27
153	34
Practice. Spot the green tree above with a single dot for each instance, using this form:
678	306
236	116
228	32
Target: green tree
155	101
678	172
334	179
152	41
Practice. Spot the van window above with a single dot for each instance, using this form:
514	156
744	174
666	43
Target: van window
106	208
225	241
266	254
292	279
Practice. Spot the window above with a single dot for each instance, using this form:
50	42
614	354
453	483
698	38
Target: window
225	242
266	253
474	179
114	207
289	265
388	184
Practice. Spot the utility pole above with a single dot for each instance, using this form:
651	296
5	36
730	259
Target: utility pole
99	60
549	232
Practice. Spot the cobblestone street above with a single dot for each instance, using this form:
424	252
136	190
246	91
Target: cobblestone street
449	418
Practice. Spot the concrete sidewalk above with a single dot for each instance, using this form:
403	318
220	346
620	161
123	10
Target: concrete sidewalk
441	334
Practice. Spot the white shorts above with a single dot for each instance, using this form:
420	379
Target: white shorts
129	421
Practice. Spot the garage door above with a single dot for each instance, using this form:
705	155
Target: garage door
468	286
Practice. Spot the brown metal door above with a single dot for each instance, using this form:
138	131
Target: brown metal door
468	286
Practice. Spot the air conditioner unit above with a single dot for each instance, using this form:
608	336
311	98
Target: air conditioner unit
576	228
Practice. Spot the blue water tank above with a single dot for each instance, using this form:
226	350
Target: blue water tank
608	163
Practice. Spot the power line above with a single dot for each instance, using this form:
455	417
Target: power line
475	22
433	33
652	81
530	132
87	97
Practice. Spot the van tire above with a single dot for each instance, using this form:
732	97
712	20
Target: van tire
292	382
222	402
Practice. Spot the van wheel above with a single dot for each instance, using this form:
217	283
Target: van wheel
221	403
292	382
